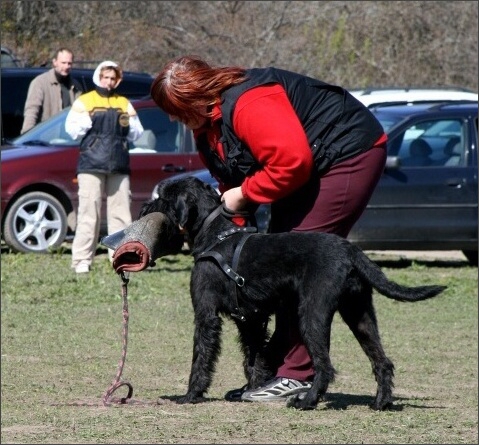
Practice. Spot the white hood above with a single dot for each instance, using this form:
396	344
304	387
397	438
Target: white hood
96	74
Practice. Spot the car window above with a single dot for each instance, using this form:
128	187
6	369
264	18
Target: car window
387	122
161	135
430	143
387	119
52	131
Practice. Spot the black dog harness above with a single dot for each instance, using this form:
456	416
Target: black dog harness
230	271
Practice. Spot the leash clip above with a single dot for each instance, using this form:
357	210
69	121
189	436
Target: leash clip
124	277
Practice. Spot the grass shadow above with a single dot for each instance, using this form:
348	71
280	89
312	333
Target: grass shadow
403	263
341	401
332	401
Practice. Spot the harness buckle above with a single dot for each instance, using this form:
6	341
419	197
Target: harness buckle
238	317
239	281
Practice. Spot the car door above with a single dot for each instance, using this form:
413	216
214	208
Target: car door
427	197
165	149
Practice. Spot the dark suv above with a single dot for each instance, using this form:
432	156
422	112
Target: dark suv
15	83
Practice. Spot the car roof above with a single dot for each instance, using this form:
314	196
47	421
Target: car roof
29	70
393	89
394	115
84	75
377	97
465	106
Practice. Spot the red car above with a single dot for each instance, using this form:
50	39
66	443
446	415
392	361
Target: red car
39	187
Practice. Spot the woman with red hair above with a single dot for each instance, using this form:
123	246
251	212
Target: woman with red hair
271	136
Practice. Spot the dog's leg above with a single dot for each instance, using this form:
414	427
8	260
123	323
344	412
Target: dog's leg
357	311
315	327
206	350
252	337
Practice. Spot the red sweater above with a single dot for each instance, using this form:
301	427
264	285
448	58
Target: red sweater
265	121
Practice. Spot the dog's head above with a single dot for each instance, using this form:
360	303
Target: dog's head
187	201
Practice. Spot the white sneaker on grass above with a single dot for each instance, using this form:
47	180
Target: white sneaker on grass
278	389
82	268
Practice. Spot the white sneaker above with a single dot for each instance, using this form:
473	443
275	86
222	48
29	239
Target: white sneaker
82	268
277	389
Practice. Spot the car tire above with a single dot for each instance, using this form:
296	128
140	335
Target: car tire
35	223
472	256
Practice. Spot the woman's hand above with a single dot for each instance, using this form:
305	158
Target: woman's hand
233	199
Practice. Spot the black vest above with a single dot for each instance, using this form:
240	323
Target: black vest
337	125
104	148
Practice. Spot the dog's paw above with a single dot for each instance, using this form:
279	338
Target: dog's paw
189	398
302	402
378	405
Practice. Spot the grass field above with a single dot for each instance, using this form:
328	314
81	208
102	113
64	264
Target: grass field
61	344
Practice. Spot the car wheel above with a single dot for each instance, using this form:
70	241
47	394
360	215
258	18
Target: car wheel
36	222
471	255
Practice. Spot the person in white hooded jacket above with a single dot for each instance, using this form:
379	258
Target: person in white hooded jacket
105	122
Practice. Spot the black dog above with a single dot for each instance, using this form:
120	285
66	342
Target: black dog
246	275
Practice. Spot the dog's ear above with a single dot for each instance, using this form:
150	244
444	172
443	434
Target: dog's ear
184	211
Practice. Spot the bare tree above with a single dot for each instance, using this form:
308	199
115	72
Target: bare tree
355	44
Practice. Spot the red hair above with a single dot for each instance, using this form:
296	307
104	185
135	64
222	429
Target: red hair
188	85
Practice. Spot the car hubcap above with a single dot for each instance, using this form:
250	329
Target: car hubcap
37	225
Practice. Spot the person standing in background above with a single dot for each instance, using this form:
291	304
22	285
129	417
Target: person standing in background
106	122
51	92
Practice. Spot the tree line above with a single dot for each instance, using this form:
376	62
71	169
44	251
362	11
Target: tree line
356	44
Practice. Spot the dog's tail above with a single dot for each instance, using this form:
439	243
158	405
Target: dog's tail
372	273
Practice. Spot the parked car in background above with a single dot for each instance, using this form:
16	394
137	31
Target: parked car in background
427	197
8	59
15	83
408	96
38	181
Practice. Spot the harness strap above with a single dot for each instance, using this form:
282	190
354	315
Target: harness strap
239	247
230	270
222	210
222	236
227	269
211	217
236	256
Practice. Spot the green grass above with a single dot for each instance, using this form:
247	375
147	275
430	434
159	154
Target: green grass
61	344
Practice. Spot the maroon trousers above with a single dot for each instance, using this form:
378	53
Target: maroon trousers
331	203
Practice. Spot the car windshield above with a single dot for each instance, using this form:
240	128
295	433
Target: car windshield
50	132
388	120
391	115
